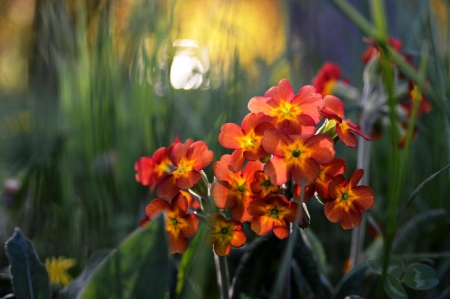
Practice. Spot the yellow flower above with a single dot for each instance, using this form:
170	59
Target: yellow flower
57	269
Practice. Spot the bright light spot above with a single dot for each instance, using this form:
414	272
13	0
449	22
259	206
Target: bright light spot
187	70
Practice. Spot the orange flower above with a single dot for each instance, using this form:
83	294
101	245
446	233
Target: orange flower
296	156
151	169
347	201
294	114
334	110
224	234
244	139
233	189
273	212
179	225
188	158
326	78
262	186
322	182
414	94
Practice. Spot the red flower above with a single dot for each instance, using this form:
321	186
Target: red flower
296	156
233	189
245	140
188	158
326	78
273	212
262	186
373	48
151	169
294	114
179	225
223	234
334	110
348	201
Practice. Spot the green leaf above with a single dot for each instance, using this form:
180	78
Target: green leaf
76	286
424	183
351	281
317	249
260	255
305	259
395	267
412	230
420	277
394	288
139	268
29	276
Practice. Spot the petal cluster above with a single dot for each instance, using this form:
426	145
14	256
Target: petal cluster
223	234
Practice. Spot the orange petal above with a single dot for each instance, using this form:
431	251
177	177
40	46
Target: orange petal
229	136
221	170
167	187
352	218
364	196
239	210
308	170
178	243
222	198
345	136
261	225
188	180
322	147
239	239
274	140
310	102
214	220
189	225
282	92
355	177
156	206
334	210
222	247
281	231
237	160
277	170
260	105
199	153
335	104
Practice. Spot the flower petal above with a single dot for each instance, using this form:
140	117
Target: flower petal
222	198
229	136
156	206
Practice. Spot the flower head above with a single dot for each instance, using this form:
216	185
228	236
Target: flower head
272	212
57	269
296	156
293	113
326	78
347	201
334	111
151	169
188	159
262	186
179	225
233	189
244	139
223	234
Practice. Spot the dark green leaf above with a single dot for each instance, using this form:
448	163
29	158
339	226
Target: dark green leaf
29	276
412	230
394	288
420	277
76	286
308	265
139	268
424	183
259	256
351	281
395	268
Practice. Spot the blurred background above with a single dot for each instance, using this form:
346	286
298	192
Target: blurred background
89	87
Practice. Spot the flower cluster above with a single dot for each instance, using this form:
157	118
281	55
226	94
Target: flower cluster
279	160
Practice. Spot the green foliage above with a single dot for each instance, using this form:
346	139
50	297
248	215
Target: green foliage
139	268
351	282
29	276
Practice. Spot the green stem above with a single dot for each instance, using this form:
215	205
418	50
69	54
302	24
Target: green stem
223	279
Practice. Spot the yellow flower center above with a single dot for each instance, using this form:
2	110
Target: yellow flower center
174	222
224	231
267	183
241	188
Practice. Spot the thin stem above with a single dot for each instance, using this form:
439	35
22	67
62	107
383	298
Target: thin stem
223	279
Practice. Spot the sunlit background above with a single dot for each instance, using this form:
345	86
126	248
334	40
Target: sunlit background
88	87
